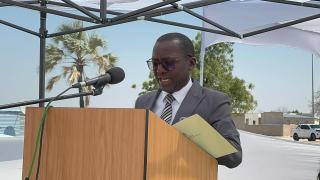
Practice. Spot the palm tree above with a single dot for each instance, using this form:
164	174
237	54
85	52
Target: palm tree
73	53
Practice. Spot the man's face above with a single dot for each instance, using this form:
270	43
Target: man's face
171	66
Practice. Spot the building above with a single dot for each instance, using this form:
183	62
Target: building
271	123
252	118
291	118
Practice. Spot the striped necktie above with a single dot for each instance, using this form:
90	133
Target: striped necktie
167	111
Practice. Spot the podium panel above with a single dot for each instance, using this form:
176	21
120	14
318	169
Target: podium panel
96	144
112	144
171	156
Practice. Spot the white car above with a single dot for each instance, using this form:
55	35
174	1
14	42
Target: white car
306	131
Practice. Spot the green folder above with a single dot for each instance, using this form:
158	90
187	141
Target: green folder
205	136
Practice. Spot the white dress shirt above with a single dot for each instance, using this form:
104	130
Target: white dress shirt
179	96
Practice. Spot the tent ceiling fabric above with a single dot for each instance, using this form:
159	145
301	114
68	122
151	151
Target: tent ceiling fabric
121	5
243	16
313	26
252	15
289	36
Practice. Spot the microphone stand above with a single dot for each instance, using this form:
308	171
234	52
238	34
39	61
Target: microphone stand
94	92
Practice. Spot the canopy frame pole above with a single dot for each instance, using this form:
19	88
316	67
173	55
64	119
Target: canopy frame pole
26	2
43	33
145	18
103	11
192	5
142	10
47	10
304	4
151	13
19	28
188	26
181	7
301	20
146	13
89	28
83	10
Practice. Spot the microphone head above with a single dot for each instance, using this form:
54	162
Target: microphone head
117	75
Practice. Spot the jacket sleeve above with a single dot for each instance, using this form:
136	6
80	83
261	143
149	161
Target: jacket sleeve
138	103
221	120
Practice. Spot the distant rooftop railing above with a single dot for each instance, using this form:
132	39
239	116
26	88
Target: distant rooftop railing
14	119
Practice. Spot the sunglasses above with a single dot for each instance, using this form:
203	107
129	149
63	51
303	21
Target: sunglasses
167	64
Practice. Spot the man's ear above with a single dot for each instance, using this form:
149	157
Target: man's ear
192	63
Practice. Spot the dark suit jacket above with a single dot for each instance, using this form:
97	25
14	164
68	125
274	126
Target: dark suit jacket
213	106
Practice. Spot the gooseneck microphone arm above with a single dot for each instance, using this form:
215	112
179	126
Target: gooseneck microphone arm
112	76
94	92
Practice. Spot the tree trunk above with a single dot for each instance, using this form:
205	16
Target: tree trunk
80	91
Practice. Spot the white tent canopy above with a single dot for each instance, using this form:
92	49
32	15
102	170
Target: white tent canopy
247	16
246	21
244	16
122	5
264	158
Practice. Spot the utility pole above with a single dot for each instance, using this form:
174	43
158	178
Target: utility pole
312	88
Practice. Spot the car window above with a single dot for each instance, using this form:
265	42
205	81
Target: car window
304	127
314	126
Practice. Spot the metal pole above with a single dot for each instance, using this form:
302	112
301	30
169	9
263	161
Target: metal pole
204	19
279	26
142	10
103	10
27	2
47	10
43	33
83	10
94	92
312	88
305	4
19	28
202	53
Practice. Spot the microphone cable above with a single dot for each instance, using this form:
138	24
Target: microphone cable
39	138
96	91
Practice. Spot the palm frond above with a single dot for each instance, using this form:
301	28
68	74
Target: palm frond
75	42
52	81
112	59
54	55
94	43
74	75
104	62
67	70
79	50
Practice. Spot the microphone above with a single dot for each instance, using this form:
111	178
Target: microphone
112	76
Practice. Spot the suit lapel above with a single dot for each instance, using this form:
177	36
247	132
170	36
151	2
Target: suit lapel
153	99
190	102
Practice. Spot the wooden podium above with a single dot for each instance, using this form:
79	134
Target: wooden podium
112	144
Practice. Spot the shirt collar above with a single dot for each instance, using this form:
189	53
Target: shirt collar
178	95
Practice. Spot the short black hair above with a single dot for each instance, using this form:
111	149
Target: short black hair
186	44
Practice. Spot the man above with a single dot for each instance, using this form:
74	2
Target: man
179	96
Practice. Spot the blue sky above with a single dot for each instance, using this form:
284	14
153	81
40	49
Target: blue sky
281	75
